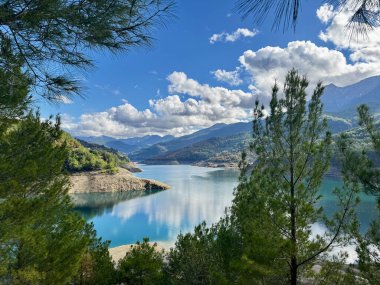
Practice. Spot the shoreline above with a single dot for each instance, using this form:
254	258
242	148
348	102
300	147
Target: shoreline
118	252
333	172
122	181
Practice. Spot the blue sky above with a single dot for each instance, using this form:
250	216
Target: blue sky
123	92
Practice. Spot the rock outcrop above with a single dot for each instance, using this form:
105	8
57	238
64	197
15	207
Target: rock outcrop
123	180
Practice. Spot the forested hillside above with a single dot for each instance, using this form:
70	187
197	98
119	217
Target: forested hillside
84	156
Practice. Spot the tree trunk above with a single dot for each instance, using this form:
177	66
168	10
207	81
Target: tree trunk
293	271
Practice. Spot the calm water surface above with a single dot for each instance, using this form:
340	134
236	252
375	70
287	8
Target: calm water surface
197	194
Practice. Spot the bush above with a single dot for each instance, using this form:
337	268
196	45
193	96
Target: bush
142	264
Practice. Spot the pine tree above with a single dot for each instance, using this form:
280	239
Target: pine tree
142	264
276	203
364	16
42	241
53	36
359	167
97	266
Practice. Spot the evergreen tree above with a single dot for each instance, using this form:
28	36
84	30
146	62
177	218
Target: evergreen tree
96	267
359	167
142	264
276	203
51	36
207	256
41	239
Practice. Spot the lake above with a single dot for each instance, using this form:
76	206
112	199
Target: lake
197	194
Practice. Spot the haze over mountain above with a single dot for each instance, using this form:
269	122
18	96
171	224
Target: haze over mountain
221	144
343	101
127	145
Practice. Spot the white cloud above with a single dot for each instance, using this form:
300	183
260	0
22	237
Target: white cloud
191	105
230	77
64	100
338	33
319	63
204	106
180	83
234	36
325	13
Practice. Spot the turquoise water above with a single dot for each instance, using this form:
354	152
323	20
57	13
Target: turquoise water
197	194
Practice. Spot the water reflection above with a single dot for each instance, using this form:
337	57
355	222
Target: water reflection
90	205
197	194
366	210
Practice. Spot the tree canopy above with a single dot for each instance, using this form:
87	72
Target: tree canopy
277	203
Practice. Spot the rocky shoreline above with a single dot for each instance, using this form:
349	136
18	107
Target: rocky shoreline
102	182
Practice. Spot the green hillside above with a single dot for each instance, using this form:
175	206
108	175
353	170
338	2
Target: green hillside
216	150
84	156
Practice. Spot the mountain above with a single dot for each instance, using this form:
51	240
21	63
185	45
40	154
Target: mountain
216	131
210	138
147	140
342	101
127	145
221	144
102	140
220	151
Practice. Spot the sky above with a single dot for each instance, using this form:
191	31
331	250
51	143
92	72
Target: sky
208	66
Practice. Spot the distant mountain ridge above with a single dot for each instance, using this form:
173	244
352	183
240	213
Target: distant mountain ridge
343	101
127	145
216	131
221	143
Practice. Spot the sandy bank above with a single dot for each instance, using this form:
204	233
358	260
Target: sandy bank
124	180
119	252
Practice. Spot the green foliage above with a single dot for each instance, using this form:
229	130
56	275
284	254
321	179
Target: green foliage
207	256
47	34
142	264
194	260
360	168
96	267
14	86
276	204
91	157
41	238
212	150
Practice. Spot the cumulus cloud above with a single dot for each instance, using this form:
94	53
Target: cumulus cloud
325	13
337	32
191	105
230	77
234	36
269	64
204	106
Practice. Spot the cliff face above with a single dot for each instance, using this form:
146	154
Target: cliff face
96	181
